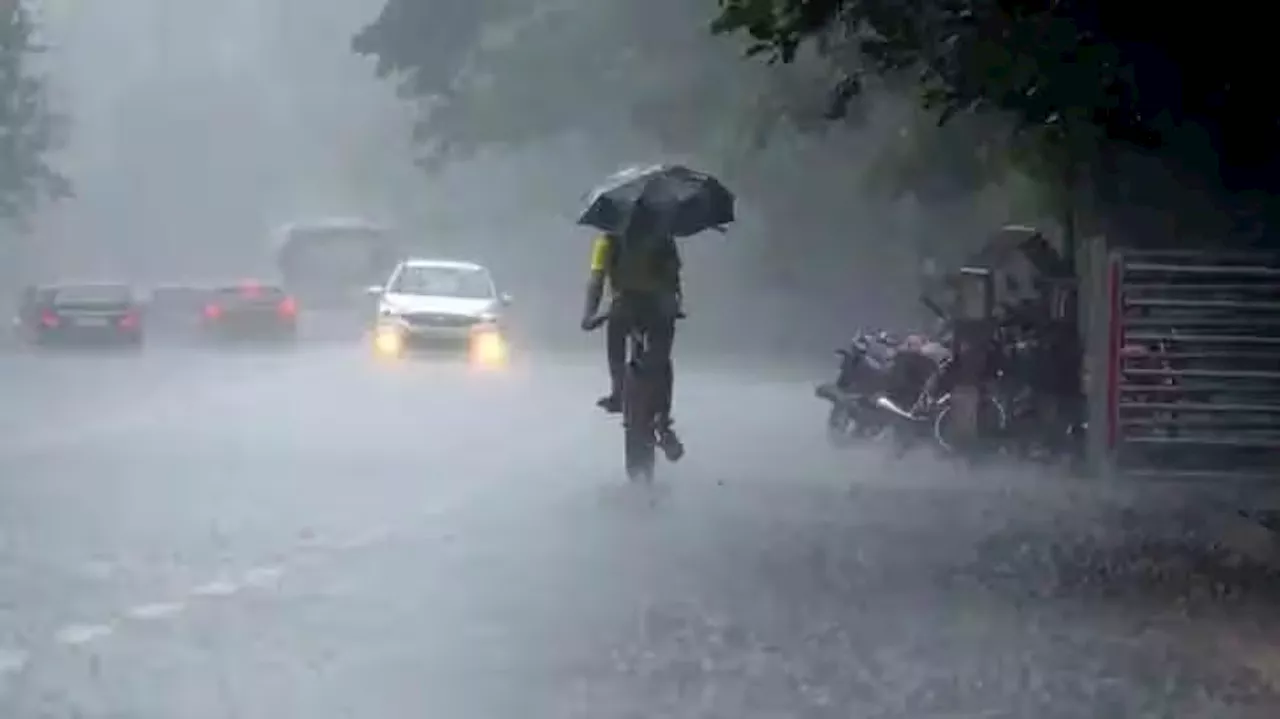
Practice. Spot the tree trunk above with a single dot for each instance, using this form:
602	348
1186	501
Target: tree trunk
971	347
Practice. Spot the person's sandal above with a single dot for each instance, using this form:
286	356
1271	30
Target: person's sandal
671	445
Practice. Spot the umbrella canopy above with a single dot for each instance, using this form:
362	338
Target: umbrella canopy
683	201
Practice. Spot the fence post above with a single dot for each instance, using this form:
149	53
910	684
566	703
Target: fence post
1102	271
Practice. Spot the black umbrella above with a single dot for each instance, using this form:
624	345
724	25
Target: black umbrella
684	201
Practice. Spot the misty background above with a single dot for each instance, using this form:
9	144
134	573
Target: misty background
196	128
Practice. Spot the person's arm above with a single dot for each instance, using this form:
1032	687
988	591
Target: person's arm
595	281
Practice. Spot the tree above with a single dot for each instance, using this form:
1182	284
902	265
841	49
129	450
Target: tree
630	72
427	42
1039	61
618	69
1102	97
29	130
509	74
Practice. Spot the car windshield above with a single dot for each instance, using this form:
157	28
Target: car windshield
443	281
92	293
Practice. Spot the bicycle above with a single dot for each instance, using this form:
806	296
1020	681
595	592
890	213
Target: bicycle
640	421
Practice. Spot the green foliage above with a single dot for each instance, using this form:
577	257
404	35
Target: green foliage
1045	88
427	43
509	73
970	63
1107	105
28	129
611	68
1028	59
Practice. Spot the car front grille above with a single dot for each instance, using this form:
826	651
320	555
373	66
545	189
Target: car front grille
419	343
432	319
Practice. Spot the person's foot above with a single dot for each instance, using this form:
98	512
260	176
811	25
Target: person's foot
610	403
670	443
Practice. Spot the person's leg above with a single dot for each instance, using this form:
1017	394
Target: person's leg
662	331
661	339
616	352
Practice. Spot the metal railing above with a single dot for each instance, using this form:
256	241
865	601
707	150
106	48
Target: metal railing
1192	364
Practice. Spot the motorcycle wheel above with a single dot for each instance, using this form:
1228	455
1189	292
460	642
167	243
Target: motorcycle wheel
842	427
996	416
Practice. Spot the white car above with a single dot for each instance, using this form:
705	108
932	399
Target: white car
441	305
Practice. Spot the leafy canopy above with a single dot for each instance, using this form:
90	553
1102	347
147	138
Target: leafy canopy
1036	60
506	73
28	129
1091	77
503	73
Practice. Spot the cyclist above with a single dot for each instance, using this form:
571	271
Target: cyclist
641	266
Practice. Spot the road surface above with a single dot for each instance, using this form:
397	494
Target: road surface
312	534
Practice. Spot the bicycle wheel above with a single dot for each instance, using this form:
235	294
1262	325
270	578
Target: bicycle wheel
993	418
638	429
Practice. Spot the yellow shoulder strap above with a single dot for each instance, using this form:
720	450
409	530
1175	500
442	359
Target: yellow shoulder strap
600	254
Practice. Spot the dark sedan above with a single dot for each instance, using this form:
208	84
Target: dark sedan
250	310
74	314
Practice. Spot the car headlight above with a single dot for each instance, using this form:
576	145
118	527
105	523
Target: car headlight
488	348
388	340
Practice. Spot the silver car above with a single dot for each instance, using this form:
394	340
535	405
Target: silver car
441	305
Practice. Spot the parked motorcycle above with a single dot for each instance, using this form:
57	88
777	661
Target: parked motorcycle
902	385
863	366
889	383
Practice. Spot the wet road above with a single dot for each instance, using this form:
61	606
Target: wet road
311	534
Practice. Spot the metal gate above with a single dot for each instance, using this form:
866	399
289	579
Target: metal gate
1192	371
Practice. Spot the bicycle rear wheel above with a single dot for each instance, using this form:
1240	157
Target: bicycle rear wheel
638	426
